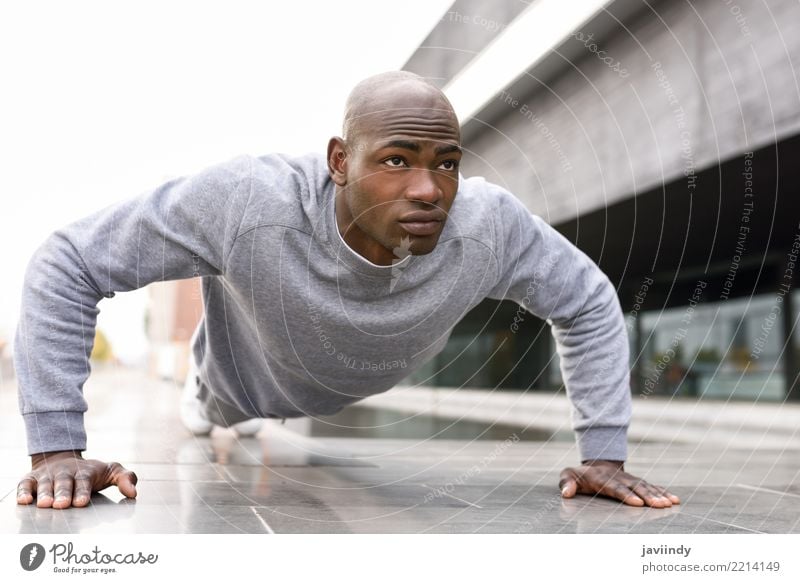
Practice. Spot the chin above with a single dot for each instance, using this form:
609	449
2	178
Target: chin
419	247
414	245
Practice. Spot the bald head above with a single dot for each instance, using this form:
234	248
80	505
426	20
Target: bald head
374	96
399	156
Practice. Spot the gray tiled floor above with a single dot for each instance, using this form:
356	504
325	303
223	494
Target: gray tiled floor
284	482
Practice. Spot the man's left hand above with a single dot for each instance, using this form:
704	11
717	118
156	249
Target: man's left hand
609	478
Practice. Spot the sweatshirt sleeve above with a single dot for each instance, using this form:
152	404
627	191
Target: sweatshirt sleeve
184	228
546	274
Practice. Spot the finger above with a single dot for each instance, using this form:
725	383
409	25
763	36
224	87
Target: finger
661	495
568	484
83	489
650	495
569	488
124	479
25	490
664	492
622	492
673	499
63	490
44	492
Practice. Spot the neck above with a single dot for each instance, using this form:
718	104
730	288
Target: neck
356	239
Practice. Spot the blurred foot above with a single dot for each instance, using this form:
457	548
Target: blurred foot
248	428
191	408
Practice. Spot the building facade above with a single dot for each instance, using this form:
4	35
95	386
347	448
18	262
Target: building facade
661	138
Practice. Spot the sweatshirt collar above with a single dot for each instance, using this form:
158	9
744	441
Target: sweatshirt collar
352	260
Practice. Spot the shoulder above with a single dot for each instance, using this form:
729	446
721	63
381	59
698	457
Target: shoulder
476	194
486	210
290	173
287	188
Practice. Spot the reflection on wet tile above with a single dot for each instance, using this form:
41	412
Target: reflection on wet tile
278	447
106	516
179	472
359	519
8	487
284	482
761	510
371	423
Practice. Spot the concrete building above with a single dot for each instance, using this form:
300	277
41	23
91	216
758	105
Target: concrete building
661	138
173	313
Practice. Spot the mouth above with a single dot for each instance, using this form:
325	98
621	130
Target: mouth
422	223
421	227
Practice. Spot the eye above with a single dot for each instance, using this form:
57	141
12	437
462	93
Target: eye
449	165
394	162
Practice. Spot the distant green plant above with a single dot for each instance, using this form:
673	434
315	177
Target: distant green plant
707	355
675	357
101	350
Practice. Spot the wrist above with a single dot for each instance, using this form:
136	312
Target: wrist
48	455
617	463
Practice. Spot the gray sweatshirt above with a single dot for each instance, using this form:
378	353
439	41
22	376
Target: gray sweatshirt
297	323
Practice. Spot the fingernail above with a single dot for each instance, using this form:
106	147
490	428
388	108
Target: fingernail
564	491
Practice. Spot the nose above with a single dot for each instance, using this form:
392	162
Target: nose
423	187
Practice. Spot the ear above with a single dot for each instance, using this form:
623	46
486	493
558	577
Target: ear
337	160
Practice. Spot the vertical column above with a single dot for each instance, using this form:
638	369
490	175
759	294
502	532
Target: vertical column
790	362
636	373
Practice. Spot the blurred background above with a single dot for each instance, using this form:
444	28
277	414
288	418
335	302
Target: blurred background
96	114
660	137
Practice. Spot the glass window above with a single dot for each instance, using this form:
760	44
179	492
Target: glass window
725	349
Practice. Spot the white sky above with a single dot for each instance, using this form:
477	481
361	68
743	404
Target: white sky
103	100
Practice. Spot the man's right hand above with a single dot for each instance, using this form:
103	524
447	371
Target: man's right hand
61	479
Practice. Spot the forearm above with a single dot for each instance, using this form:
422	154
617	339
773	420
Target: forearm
547	275
594	353
54	339
184	228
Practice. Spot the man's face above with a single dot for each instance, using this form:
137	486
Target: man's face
402	177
